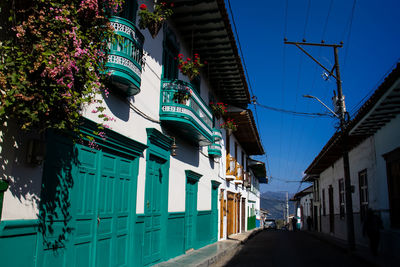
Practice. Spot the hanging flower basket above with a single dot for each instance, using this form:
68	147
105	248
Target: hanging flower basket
218	109
153	21
154	28
190	67
230	126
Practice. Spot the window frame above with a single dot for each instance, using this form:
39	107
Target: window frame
363	191
342	196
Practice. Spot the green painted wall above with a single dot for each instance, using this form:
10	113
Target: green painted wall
204	229
138	241
251	222
18	243
175	234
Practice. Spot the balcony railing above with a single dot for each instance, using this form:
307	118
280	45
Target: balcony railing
231	167
217	134
125	56
247	179
192	117
214	150
239	174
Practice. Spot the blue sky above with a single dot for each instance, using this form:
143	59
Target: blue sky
280	74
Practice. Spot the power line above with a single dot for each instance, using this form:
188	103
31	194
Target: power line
240	47
296	113
327	19
349	34
307	16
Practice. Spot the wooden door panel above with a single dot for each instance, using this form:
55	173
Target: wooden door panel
153	214
99	196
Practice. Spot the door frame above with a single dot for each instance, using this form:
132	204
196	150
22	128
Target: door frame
115	144
331	210
192	179
159	145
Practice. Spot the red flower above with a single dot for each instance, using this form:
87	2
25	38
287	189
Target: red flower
188	59
143	7
205	62
172	4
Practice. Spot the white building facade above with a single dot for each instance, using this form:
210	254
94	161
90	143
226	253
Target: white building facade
374	140
166	180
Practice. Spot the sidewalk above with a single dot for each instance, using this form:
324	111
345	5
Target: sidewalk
362	253
210	254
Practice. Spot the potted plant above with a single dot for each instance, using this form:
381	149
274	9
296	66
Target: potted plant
181	96
153	21
229	125
190	67
218	109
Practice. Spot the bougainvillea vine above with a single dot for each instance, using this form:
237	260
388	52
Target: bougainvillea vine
53	62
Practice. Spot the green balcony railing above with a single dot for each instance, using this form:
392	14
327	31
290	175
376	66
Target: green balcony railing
217	135
193	117
125	56
214	150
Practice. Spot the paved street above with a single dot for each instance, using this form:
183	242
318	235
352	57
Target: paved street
284	248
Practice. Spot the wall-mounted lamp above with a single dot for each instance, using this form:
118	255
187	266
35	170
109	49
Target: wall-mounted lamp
36	151
174	147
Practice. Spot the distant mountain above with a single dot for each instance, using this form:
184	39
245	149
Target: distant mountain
275	203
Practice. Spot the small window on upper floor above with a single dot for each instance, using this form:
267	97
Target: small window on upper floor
196	84
129	10
170	54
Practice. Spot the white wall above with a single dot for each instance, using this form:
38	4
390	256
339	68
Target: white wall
366	156
22	198
386	139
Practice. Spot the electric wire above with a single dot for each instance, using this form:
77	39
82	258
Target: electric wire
283	86
301	134
355	108
296	113
349	33
326	20
141	113
307	16
245	69
240	47
297	89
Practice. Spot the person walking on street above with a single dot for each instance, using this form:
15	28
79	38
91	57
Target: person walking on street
309	223
294	223
371	228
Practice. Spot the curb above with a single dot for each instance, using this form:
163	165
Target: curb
236	247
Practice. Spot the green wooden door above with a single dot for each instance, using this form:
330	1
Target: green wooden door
95	206
191	212
153	211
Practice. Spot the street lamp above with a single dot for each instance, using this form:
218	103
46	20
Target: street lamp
346	165
316	98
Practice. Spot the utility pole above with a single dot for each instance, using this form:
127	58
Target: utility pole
344	132
287	207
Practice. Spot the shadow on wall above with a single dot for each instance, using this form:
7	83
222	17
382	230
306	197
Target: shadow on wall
55	205
185	153
118	105
24	179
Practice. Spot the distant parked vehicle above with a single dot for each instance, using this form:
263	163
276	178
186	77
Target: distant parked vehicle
284	228
269	224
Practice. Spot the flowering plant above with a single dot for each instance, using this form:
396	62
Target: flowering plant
229	124
53	62
189	67
154	20
181	95
218	109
